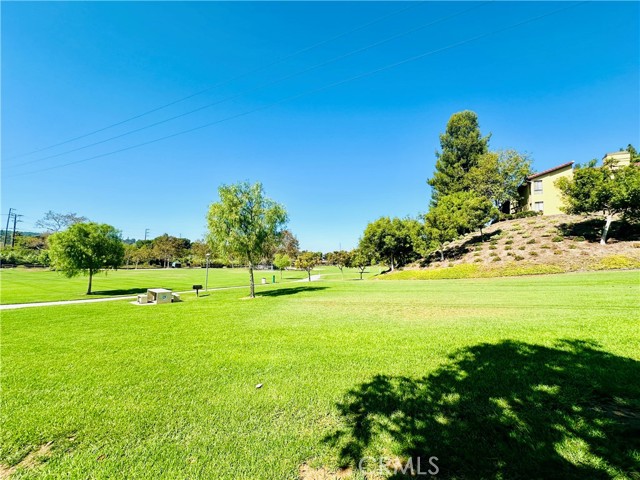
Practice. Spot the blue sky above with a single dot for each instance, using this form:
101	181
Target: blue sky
561	87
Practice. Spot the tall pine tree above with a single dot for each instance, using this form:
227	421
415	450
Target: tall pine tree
462	144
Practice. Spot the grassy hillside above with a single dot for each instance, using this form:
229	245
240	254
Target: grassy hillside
553	244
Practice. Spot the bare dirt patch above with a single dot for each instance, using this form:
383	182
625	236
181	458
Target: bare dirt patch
32	460
308	473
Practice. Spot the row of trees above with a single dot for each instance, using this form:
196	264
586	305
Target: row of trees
471	185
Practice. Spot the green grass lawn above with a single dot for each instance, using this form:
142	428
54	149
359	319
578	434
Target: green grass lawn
521	377
20	285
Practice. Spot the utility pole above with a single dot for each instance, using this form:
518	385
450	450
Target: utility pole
6	230
15	221
146	232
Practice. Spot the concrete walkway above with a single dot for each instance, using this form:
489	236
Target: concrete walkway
15	306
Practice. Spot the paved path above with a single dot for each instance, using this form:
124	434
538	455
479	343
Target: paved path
128	297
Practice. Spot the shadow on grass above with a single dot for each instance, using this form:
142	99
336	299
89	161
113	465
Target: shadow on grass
509	410
288	291
128	291
591	229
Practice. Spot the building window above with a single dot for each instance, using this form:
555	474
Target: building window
538	207
537	187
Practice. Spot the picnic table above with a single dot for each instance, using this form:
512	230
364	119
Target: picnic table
159	295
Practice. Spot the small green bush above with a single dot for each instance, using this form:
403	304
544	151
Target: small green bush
533	254
492	247
546	247
508	242
508	247
531	241
519	258
579	239
557	238
522	247
478	260
496	259
572	247
493	254
477	254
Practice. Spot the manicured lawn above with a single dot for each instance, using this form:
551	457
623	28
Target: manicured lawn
522	377
21	285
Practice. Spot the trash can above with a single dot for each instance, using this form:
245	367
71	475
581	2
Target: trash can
273	280
264	281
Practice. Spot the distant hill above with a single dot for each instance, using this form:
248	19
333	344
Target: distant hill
544	244
24	234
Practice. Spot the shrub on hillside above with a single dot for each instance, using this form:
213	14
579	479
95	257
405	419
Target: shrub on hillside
514	216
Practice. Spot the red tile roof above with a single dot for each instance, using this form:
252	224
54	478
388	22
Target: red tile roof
544	172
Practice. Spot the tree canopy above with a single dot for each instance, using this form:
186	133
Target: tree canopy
390	240
607	190
462	144
360	259
498	175
245	225
86	248
282	261
307	261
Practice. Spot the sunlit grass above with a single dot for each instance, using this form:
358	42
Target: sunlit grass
169	391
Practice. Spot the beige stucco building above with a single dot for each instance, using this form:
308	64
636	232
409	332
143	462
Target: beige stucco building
539	192
618	159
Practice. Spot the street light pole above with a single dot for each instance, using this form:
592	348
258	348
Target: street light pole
206	281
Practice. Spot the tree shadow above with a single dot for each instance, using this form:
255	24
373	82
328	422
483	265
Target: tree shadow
288	291
128	291
591	230
506	410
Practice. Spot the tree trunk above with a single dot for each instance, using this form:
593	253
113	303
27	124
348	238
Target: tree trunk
309	273
481	236
361	272
392	263
90	279
441	254
281	273
605	230
252	286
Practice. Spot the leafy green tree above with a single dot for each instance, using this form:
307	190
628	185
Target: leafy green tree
307	261
462	144
198	253
635	157
389	240
339	258
360	259
497	175
86	248
245	225
611	191
282	261
167	248
478	211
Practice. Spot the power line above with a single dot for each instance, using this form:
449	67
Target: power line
259	87
309	92
224	82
